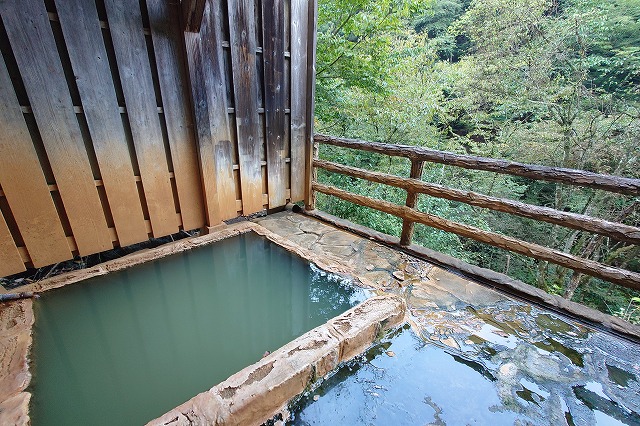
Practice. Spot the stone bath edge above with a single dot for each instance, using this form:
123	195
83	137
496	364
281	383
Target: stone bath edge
258	392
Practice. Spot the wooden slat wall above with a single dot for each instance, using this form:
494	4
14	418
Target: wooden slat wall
117	126
31	37
250	57
90	64
20	174
10	259
125	18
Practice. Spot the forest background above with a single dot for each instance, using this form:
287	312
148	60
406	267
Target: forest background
552	82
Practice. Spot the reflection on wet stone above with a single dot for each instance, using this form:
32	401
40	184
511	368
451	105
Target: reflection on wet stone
470	356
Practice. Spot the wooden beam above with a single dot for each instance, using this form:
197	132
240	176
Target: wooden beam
168	46
206	153
310	145
617	231
615	275
299	98
215	78
192	13
610	183
242	38
412	197
274	99
310	196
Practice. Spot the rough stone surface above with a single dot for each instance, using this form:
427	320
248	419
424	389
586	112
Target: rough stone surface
16	319
375	265
258	392
360	326
15	410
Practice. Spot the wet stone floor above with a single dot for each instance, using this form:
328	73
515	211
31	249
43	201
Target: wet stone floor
469	355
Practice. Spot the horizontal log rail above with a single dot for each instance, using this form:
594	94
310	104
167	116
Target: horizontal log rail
615	275
583	178
617	231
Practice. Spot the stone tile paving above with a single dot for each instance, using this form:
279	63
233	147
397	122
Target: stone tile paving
543	366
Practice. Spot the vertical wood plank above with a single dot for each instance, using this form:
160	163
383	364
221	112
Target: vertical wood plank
164	20
192	14
125	25
10	259
299	31
311	149
274	101
215	83
206	152
90	65
24	184
245	80
31	38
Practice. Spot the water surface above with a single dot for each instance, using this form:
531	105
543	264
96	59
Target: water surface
419	384
520	366
127	347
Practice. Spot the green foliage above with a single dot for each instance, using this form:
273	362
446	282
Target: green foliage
614	55
355	41
539	81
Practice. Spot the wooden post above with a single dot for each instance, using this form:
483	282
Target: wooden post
242	41
310	200
299	102
311	146
274	100
412	197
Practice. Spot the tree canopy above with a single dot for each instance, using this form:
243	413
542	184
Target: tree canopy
553	82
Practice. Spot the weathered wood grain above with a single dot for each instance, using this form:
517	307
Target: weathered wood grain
192	14
125	27
299	32
206	151
412	197
215	89
610	183
169	51
615	275
31	37
24	184
274	100
617	231
10	259
310	145
242	40
90	65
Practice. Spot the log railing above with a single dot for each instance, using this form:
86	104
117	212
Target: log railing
414	186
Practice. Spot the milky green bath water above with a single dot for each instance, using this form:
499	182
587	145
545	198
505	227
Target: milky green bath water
125	348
